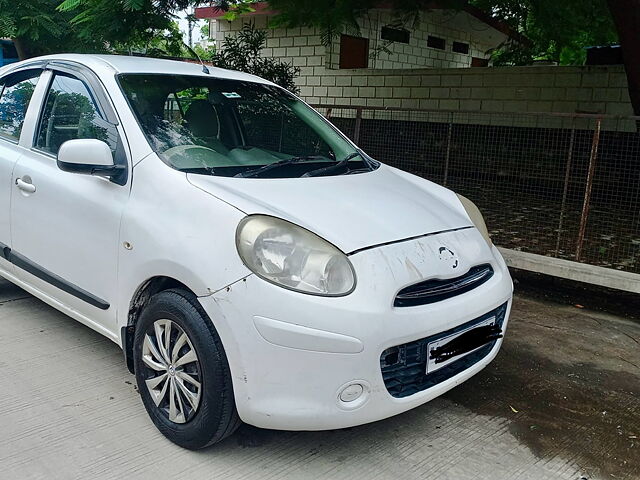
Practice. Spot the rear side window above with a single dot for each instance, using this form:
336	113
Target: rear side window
15	94
71	112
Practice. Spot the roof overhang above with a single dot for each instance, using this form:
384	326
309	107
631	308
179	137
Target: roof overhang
213	12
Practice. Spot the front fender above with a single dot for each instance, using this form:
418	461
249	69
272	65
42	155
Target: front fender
171	228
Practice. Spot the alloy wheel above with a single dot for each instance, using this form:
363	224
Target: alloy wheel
172	371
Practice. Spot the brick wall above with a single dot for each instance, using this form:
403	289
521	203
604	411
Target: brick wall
583	89
446	24
303	48
579	89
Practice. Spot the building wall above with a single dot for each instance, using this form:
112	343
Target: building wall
574	89
299	46
580	89
446	24
303	47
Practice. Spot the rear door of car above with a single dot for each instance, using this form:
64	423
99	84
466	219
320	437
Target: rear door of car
16	91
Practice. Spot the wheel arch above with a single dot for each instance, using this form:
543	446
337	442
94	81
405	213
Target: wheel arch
139	300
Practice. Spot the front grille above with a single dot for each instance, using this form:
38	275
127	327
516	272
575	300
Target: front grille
435	290
404	367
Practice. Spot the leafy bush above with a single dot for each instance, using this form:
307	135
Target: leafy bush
242	52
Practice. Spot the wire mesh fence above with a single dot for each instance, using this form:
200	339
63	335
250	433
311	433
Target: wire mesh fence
560	185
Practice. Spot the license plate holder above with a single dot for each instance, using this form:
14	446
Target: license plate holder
432	366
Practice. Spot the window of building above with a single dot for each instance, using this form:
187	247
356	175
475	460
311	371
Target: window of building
461	47
398	35
436	42
354	52
15	95
479	62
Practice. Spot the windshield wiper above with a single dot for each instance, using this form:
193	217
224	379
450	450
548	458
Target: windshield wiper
336	167
281	163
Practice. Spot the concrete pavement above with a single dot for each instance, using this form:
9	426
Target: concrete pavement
561	401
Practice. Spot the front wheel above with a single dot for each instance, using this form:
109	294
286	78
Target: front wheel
182	371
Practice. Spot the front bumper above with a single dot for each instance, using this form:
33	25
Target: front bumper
291	354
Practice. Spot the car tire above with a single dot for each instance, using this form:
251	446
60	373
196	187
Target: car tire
190	401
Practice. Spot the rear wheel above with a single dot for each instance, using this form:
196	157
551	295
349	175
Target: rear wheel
182	371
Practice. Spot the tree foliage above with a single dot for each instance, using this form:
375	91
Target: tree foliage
48	26
330	16
121	22
38	28
155	42
559	30
234	8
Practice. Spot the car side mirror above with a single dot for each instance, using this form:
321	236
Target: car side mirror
88	156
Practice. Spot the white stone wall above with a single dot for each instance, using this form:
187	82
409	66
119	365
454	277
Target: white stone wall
302	46
446	24
299	46
580	89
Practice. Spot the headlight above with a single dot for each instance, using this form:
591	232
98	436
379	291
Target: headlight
292	257
476	217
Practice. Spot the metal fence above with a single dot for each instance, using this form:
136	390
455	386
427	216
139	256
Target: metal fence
559	185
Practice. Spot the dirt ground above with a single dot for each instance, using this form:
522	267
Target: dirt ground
561	400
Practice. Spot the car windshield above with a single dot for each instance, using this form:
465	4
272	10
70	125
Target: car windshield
236	128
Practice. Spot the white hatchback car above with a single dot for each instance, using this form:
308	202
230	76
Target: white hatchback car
253	264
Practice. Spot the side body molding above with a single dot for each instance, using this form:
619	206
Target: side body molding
43	274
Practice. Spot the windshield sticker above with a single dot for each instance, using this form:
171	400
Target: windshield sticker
230	94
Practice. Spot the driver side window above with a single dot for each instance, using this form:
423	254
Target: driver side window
70	112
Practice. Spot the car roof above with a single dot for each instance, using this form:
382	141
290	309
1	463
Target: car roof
110	64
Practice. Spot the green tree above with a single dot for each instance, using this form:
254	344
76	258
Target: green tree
37	28
205	53
125	22
204	30
155	42
559	31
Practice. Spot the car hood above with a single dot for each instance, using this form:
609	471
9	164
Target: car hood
350	211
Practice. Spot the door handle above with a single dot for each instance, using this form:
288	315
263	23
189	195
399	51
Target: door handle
25	186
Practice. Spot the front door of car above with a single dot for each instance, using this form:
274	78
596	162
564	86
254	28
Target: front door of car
65	226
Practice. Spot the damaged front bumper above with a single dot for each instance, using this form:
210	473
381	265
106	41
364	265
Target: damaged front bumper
303	362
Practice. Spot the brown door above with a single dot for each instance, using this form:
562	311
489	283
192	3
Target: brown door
354	52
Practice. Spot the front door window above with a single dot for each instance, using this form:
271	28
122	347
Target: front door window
70	112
